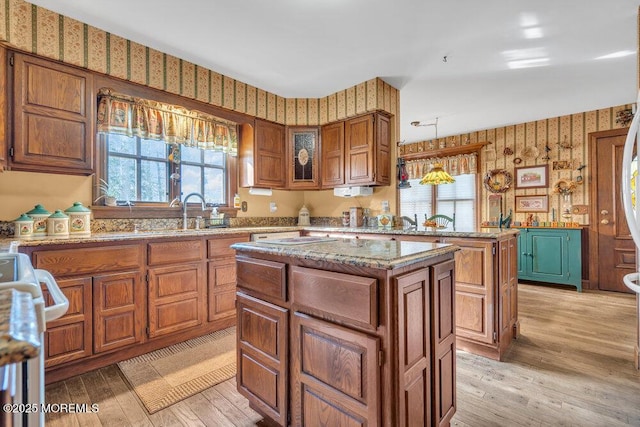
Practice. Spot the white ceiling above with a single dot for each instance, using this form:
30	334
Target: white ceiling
312	48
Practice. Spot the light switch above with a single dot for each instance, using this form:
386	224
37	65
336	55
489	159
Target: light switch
273	207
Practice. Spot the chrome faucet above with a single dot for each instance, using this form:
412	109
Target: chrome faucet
413	223
184	207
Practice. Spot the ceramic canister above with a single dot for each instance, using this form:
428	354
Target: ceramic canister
23	226
58	224
39	215
79	220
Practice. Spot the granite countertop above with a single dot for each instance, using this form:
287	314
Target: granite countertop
384	254
489	233
19	336
157	234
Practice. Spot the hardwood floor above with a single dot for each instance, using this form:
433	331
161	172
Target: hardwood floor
571	366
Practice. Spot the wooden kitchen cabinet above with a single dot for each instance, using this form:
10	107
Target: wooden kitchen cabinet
70	337
53	117
332	155
366	346
221	283
263	348
176	283
118	311
262	158
303	158
105	283
368	150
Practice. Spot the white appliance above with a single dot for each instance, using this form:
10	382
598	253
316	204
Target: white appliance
352	191
631	176
16	272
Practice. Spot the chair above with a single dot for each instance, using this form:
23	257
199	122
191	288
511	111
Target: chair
408	223
442	221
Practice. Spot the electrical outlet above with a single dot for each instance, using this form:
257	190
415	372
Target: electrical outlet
273	207
244	206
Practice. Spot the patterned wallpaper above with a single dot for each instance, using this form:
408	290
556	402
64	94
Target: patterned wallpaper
40	31
523	140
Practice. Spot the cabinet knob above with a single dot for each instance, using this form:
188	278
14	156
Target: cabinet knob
604	221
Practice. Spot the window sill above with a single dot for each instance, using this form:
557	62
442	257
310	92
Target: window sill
129	212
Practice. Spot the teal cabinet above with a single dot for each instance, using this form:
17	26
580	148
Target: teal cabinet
552	255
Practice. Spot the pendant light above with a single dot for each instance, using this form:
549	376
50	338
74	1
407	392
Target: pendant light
437	176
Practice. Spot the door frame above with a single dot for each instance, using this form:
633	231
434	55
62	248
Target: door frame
592	245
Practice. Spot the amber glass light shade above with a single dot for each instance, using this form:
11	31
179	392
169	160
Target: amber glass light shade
437	176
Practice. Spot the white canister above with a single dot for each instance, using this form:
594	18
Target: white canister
23	226
58	224
303	216
39	215
79	220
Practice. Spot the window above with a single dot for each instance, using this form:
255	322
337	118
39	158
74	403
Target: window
148	171
447	199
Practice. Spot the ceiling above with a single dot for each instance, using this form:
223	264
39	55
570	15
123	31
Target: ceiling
472	64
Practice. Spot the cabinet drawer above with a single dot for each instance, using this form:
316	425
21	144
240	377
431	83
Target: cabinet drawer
336	296
175	252
265	278
91	260
219	247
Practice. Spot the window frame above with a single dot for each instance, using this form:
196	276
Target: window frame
153	210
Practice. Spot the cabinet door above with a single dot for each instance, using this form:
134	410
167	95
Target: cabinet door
221	289
414	348
332	161
269	155
382	173
118	311
523	257
550	256
262	377
52	117
359	154
303	158
335	374
70	337
508	291
474	290
176	298
443	333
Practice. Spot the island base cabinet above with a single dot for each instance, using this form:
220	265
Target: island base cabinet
262	341
335	375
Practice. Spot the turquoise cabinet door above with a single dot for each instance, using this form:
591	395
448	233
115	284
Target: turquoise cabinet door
551	255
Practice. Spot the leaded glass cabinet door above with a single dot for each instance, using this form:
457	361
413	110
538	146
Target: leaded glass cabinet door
303	158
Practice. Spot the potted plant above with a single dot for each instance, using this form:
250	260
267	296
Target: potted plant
107	193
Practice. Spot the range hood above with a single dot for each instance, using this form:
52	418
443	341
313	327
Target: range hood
352	191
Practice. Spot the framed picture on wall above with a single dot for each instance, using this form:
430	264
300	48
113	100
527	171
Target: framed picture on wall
532	176
532	203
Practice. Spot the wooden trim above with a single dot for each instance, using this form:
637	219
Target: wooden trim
445	152
592	228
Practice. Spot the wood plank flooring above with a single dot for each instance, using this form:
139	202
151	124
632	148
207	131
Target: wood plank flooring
571	366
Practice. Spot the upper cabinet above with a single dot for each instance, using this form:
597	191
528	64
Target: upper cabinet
303	158
262	156
53	126
357	151
332	162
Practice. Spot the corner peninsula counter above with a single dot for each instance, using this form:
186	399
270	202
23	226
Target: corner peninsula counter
347	331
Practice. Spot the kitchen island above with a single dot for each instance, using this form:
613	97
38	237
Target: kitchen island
347	331
486	281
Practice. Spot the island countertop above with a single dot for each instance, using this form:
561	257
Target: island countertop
381	254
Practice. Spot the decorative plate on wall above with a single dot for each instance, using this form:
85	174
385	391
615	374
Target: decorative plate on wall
530	153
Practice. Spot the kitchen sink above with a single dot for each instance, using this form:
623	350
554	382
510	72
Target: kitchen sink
301	240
